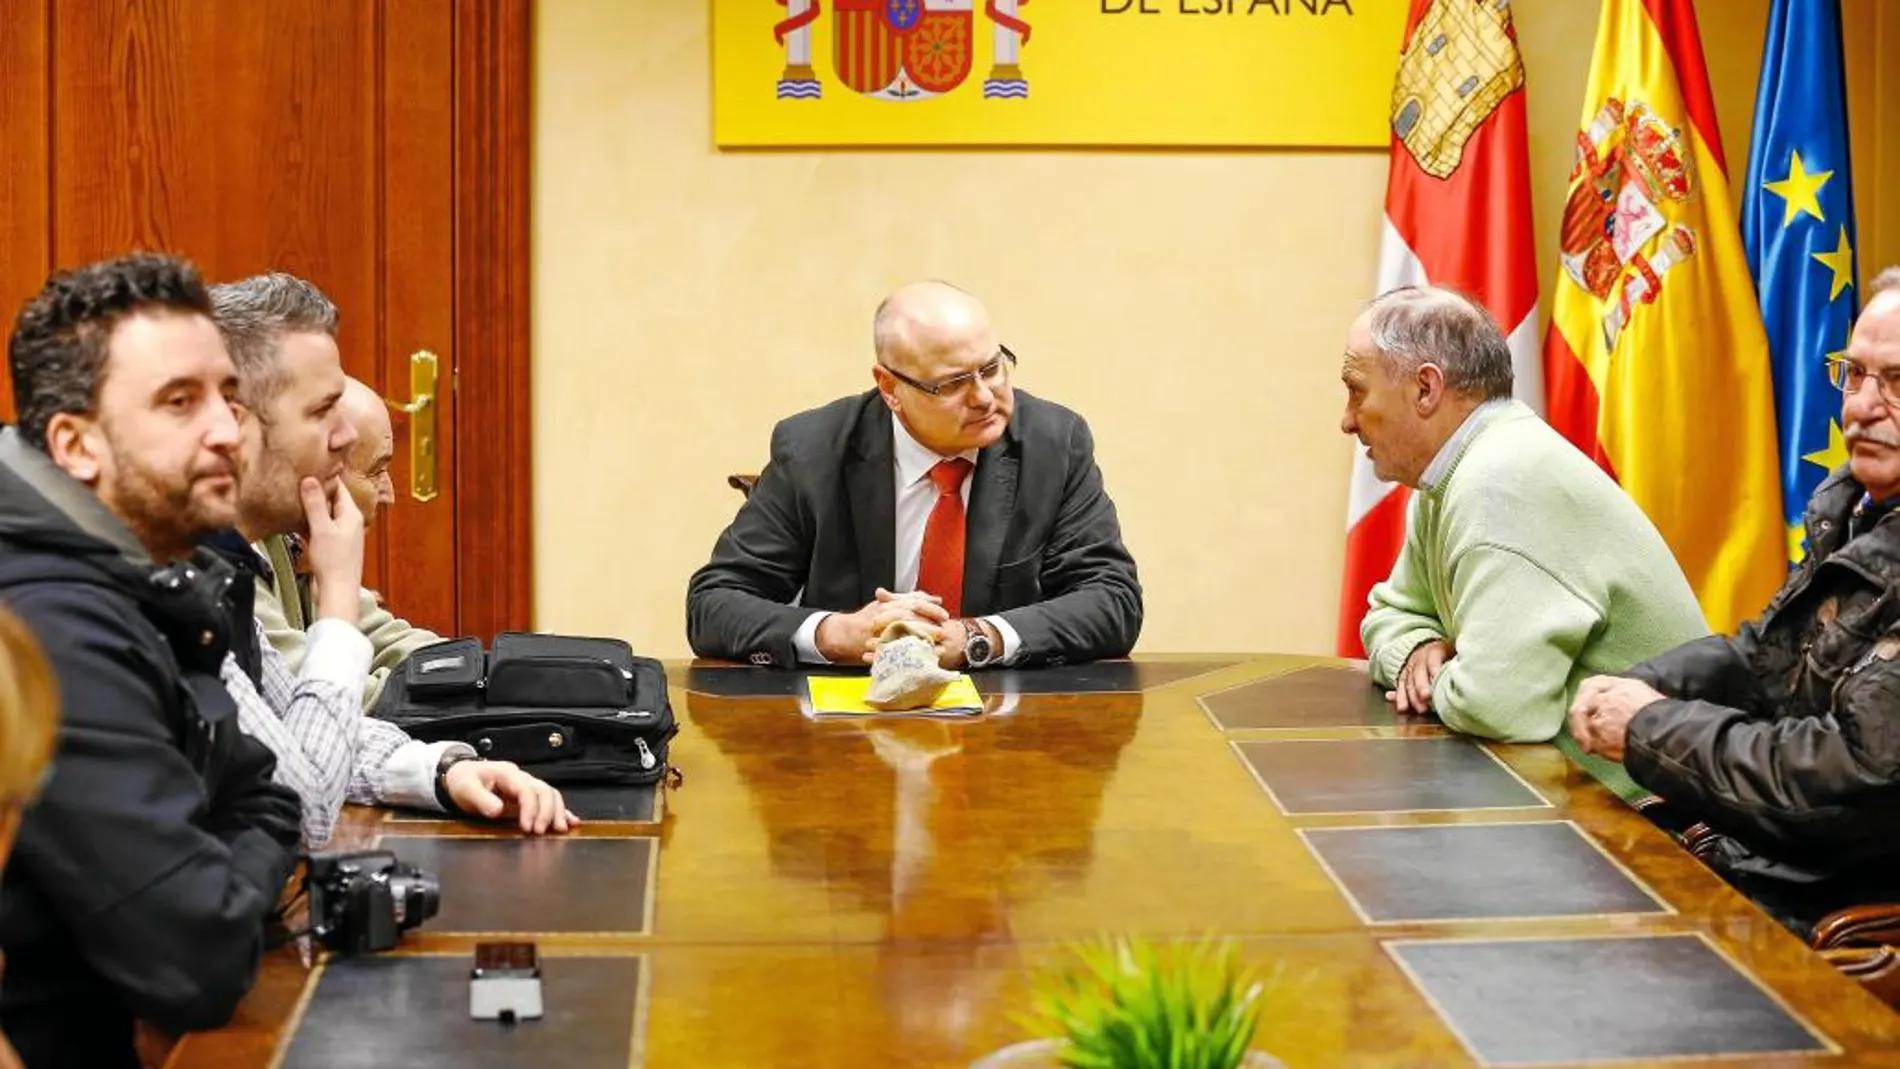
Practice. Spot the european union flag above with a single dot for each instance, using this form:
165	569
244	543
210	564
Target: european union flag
1798	228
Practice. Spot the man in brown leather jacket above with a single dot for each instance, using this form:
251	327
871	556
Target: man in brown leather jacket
1785	739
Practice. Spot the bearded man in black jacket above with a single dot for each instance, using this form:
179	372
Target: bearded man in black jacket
143	879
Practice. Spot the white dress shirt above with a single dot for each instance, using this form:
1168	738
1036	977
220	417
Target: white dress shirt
327	750
916	497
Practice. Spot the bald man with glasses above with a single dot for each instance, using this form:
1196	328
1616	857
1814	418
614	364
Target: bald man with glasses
944	497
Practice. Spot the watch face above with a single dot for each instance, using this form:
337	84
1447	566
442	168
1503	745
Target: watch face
977	649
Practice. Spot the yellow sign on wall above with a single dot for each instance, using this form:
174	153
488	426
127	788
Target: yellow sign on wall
1054	72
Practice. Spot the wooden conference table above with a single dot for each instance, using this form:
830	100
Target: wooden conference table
877	893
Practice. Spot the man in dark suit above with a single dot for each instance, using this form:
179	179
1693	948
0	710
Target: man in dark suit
943	497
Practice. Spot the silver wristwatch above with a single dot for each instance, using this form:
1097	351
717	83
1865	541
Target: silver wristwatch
978	650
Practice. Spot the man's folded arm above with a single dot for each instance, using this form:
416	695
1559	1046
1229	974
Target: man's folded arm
1092	604
739	602
308	718
1711	669
1817	787
1715	668
1400	616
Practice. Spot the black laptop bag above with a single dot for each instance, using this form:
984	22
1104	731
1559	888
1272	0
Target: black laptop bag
571	710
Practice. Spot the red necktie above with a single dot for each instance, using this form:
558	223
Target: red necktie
940	567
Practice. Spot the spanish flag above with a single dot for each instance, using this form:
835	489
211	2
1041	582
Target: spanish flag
1656	361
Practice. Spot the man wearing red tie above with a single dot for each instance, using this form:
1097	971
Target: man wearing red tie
943	497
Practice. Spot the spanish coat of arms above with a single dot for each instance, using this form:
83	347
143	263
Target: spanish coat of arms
1633	172
902	49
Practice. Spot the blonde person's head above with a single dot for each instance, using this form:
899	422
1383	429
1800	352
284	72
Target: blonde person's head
29	712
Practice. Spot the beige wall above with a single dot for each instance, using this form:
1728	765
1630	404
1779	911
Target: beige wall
1190	304
1873	92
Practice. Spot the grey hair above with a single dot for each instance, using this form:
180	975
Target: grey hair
1888	279
1417	325
254	315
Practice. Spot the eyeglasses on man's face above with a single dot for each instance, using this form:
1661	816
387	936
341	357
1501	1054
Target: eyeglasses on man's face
1848	375
992	375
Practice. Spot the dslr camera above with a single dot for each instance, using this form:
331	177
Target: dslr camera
361	901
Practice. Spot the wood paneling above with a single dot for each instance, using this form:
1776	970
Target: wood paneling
492	472
243	136
417	235
378	149
24	177
240	135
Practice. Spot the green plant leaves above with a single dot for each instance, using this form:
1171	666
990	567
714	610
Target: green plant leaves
1134	1004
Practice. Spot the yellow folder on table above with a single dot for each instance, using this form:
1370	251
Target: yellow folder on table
844	696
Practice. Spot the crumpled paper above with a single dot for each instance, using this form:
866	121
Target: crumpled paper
904	669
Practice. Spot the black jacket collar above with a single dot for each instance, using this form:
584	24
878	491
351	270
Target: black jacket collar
1830	513
41	505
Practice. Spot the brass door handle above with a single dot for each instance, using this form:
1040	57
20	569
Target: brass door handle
421	409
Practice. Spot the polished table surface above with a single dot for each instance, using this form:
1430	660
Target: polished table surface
878	892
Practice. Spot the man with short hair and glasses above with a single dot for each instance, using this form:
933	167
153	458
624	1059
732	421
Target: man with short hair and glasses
944	497
1785	739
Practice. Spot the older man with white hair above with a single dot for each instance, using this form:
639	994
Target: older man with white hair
1785	739
1525	567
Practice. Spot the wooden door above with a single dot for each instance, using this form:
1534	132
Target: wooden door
375	147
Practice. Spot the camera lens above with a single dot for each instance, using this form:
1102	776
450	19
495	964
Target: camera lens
362	901
416	895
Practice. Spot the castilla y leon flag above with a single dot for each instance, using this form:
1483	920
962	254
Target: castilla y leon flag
1457	213
1656	359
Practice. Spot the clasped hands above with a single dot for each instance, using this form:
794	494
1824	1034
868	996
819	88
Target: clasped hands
1600	717
851	638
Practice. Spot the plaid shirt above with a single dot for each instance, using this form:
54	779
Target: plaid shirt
327	750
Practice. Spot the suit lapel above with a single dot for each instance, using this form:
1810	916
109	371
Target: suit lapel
992	503
870	485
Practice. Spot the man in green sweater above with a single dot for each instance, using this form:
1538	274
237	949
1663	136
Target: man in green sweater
284	605
1525	568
